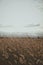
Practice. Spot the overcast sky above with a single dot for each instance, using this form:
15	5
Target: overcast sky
21	16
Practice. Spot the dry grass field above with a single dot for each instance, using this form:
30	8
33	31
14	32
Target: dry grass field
21	51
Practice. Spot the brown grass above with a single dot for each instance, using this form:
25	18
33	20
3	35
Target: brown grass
21	51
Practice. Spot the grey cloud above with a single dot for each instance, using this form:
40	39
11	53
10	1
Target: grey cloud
5	26
32	25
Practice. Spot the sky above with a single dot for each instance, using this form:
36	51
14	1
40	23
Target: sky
24	16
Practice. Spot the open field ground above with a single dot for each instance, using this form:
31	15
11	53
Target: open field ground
21	51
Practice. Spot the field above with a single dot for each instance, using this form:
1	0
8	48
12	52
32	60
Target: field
21	51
